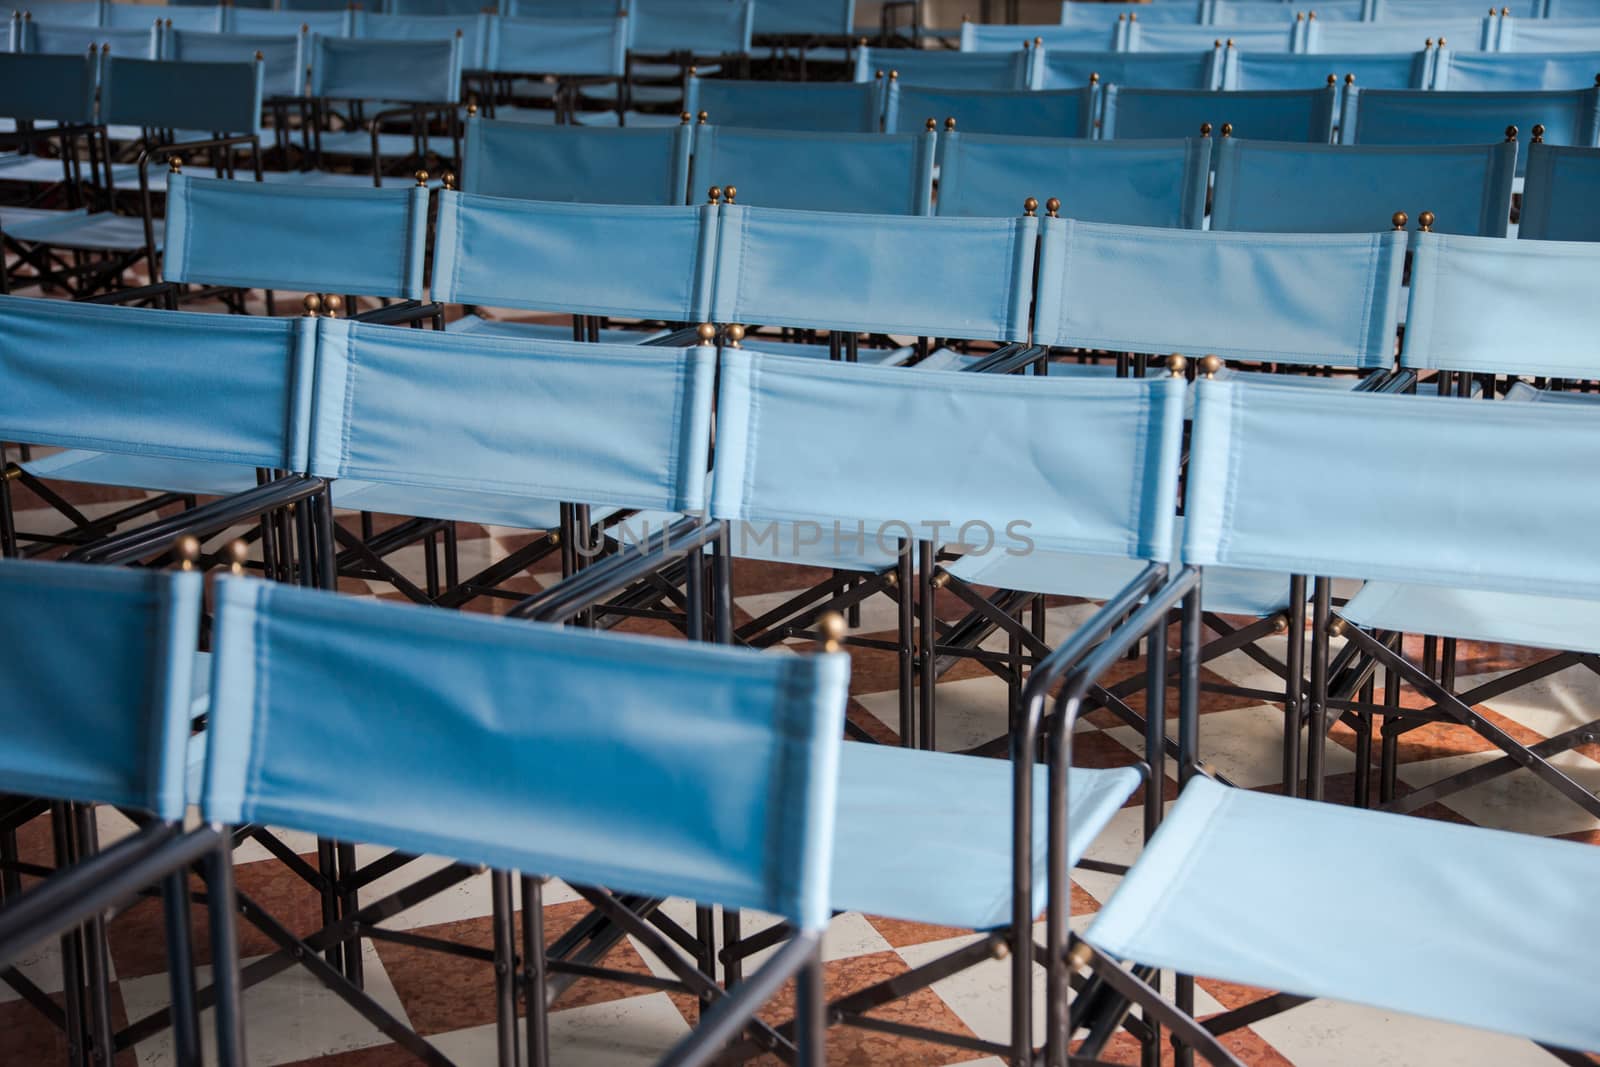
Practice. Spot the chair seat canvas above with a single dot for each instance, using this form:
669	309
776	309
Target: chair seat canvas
144	472
1564	623
98	231
1221	892
950	864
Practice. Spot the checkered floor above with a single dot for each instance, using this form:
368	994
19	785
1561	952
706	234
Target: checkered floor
292	1020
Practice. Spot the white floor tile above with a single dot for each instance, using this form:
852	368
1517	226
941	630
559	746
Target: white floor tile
1327	1033
1517	801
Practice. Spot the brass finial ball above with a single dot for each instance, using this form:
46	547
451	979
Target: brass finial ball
238	554
1052	206
1399	219
931	125
1333	79
734	334
708	333
686	118
175	164
832	628
1349	79
1209	365
714	194
1205	129
1538	133
950	124
335	304
730	192
450	179
312	303
1227	129
1425	221
894	75
1511	133
1176	364
472	109
421	176
188	548
1030	205
702	117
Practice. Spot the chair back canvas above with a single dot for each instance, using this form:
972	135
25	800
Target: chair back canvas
282	55
1499	71
846	107
947	70
1019	112
177	385
588	164
1396	116
1300	115
873	173
424	72
1372	70
1198	68
593	46
225	97
1558	196
643	765
47	88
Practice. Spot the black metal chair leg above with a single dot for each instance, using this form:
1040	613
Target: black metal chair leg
534	986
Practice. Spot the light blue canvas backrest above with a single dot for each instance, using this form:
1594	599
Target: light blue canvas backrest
1422	10
848	107
1231	13
662	767
1254	70
471	29
597	46
68	12
76	40
577	9
1311	299
1301	115
225	97
931	277
1550	35
322	23
1559	194
590	164
700	27
283	56
1021	112
1500	71
1572	9
876	173
1398	116
1136	183
805	18
1405	35
1179	12
622	425
947	70
1402	497
1154	70
261	235
1090	465
427	72
1080	37
1287	188
47	88
584	259
1255	38
136	16
430	8
97	711
1504	307
178	385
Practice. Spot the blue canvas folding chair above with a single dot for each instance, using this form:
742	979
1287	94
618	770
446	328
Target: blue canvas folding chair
546	60
72	371
345	243
847	107
422	79
98	713
283	55
874	173
946	70
472	29
1262	853
1395	116
241	19
50	100
1373	70
1073	492
554	258
1500	72
935	279
1079	37
1253	38
576	426
1401	36
671	40
68	12
1550	35
1155	70
1180	12
1019	112
1136	183
1313	301
576	163
1348	188
1228	13
46	38
761	733
1571	9
1558	193
207	19
163	105
1302	115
